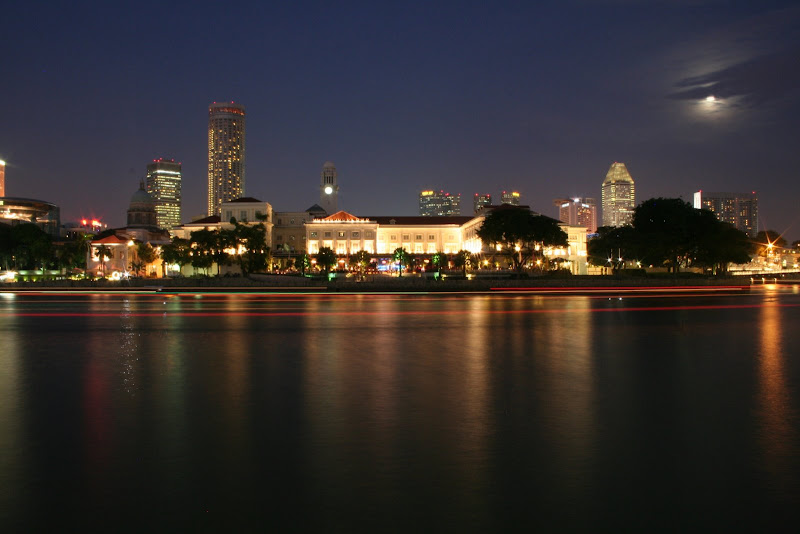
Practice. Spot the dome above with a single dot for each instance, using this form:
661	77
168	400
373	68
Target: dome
328	164
141	196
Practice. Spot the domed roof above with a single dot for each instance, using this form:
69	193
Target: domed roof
328	164
141	196
618	173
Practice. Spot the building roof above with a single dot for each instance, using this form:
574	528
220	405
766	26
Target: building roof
109	240
316	208
342	216
618	173
243	199
422	220
211	219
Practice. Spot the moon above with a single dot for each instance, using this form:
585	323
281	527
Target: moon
711	98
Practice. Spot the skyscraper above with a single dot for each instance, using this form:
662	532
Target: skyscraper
329	189
618	196
738	209
2	178
578	212
439	203
225	154
164	186
510	197
481	201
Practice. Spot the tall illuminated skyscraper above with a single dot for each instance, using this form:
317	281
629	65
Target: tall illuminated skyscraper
509	197
329	188
2	178
481	201
578	212
164	186
439	203
618	195
738	209
225	154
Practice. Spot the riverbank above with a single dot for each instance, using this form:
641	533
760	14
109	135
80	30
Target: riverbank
380	283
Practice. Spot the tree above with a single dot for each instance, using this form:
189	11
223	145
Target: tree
664	227
400	255
72	254
146	255
612	245
326	258
718	243
103	252
32	247
768	241
442	261
202	243
361	259
178	252
463	259
250	242
520	233
302	263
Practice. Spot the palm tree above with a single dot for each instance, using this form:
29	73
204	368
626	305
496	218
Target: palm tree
400	255
362	259
104	252
326	258
463	259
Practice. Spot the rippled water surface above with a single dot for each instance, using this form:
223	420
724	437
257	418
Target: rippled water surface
242	412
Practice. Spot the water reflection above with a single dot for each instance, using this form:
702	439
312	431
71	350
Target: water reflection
12	435
778	434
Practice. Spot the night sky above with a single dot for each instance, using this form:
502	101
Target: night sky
468	97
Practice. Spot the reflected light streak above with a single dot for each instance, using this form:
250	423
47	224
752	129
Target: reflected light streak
398	313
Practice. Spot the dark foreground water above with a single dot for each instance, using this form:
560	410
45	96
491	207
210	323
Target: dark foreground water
230	413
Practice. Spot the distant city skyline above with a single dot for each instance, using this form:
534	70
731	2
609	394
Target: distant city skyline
539	98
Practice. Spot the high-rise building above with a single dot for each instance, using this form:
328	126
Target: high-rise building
618	196
164	187
578	212
225	154
481	201
738	209
2	178
510	197
439	203
329	189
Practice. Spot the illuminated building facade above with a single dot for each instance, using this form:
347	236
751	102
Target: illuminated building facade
45	215
2	178
226	151
329	188
510	197
618	196
578	212
164	186
738	209
479	202
439	203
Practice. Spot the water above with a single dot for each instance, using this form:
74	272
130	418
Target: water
399	412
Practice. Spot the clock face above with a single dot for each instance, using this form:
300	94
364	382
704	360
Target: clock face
328	190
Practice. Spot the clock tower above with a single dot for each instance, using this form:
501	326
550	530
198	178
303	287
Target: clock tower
329	189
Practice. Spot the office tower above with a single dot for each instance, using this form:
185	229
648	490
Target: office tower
2	178
225	154
439	203
738	209
164	187
481	201
578	212
618	196
329	189
509	197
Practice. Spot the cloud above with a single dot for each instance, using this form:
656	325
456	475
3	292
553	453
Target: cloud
756	81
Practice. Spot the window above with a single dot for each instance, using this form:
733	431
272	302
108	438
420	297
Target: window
418	237
291	238
356	235
291	221
228	215
328	235
405	237
341	234
393	238
243	215
313	235
431	237
368	234
279	222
